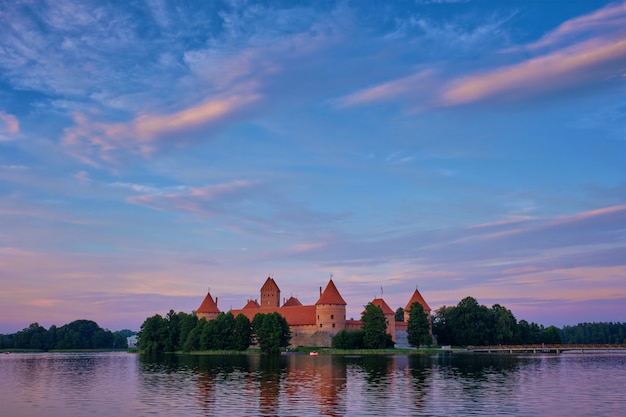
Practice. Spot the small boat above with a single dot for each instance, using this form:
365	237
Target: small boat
313	353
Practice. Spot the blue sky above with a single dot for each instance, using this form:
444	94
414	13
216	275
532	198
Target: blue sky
151	150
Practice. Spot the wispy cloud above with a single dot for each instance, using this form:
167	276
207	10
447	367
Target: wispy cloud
402	88
583	51
607	20
207	200
585	63
94	142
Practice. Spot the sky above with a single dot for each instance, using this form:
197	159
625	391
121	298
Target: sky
151	151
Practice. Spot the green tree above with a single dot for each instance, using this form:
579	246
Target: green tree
271	331
504	325
348	339
154	331
242	332
443	325
399	314
472	323
418	328
375	328
209	335
187	323
551	335
226	330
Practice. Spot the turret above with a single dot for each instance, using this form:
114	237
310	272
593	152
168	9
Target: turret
208	309
270	294
330	310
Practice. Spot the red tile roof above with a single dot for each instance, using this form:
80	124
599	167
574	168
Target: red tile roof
298	315
417	297
270	285
292	302
208	305
251	304
331	295
383	305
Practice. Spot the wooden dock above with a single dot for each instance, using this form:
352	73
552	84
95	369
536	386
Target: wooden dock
545	348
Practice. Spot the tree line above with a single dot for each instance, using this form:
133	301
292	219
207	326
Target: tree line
470	323
595	333
186	332
79	334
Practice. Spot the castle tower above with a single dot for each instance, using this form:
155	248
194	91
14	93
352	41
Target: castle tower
330	310
390	316
270	294
208	309
417	297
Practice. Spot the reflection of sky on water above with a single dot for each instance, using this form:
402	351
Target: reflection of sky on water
114	384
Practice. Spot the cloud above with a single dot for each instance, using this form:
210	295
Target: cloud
609	19
405	87
585	63
584	51
95	142
9	126
207	200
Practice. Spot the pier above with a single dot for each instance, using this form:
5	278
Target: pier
549	348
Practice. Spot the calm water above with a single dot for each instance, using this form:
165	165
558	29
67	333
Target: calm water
121	384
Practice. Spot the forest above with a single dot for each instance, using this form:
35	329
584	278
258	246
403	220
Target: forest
79	334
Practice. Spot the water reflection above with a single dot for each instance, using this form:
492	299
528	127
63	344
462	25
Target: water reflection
107	385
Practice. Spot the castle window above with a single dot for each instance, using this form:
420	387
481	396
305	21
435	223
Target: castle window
332	316
321	325
333	324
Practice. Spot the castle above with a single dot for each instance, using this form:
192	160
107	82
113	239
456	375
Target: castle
314	325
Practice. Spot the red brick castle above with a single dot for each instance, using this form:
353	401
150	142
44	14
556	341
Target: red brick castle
313	325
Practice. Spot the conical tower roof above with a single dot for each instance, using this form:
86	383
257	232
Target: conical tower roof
417	297
208	305
331	295
383	305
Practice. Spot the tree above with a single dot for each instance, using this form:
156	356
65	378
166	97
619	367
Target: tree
504	325
551	335
193	338
242	332
271	331
374	327
418	328
188	322
348	339
443	325
154	331
399	314
472	323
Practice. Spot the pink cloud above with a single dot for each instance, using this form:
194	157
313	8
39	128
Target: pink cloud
571	63
201	200
94	142
587	62
11	125
611	17
408	85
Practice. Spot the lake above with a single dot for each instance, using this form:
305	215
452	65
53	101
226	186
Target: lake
122	384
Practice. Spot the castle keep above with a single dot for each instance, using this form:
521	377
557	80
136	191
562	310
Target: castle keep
313	325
